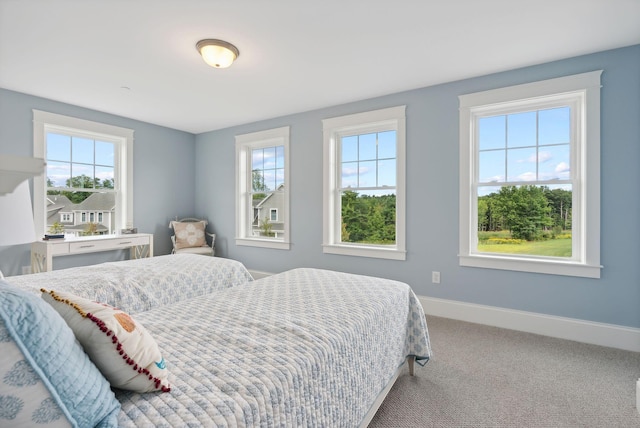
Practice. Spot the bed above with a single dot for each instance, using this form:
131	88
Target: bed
142	284
307	347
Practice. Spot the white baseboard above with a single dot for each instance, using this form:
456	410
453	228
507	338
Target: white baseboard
611	335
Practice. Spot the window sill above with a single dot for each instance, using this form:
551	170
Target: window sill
362	251
263	243
552	267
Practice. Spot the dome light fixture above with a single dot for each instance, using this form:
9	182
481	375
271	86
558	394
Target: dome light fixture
217	53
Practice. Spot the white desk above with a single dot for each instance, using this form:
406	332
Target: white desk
43	252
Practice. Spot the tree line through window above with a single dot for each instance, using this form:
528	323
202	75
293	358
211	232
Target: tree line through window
519	219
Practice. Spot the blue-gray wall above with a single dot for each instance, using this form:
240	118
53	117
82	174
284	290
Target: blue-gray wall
165	186
162	173
432	197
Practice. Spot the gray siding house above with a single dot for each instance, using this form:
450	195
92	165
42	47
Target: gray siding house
98	208
270	209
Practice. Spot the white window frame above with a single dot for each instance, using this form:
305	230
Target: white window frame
582	89
271	212
44	122
392	118
244	209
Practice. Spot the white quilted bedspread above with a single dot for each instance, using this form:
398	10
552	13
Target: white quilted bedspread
305	348
142	284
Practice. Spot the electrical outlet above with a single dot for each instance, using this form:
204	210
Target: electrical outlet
26	270
435	277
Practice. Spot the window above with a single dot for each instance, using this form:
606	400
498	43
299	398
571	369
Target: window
262	189
65	217
530	177
364	184
88	164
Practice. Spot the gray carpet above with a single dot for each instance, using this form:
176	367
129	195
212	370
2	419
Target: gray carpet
484	376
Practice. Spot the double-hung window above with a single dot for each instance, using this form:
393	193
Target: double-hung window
530	177
364	184
262	189
89	170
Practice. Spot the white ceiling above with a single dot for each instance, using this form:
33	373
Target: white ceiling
137	58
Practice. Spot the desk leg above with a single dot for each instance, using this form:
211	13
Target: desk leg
138	252
40	262
141	251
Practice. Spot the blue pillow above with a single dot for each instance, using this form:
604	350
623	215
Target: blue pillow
57	359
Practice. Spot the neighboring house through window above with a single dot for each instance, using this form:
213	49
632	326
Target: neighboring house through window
530	177
101	205
262	189
89	173
364	184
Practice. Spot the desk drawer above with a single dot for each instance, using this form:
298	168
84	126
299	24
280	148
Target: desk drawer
58	248
126	241
108	244
83	247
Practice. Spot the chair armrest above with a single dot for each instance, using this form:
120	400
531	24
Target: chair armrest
213	239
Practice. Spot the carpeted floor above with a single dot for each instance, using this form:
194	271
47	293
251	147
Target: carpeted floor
483	376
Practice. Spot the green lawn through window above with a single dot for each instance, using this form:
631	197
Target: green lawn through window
559	247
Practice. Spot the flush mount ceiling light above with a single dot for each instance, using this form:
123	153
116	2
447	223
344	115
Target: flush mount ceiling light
217	53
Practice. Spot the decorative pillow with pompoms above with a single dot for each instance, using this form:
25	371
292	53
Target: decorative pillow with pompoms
123	350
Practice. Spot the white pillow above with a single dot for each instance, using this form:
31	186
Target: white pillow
123	350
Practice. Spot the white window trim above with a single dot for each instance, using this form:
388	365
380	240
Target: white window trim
244	144
44	122
394	117
586	160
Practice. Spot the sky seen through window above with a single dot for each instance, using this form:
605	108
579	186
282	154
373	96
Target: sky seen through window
523	148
